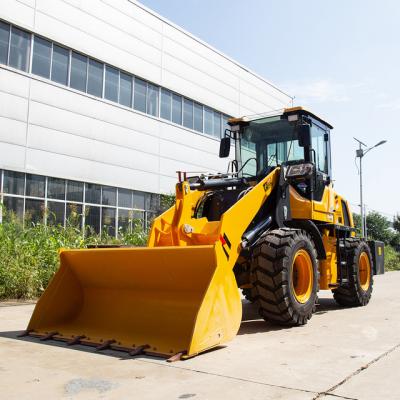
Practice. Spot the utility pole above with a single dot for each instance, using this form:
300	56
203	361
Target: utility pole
360	153
365	218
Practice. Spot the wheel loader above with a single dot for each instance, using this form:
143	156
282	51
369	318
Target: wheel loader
272	226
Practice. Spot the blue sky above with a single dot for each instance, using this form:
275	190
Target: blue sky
340	58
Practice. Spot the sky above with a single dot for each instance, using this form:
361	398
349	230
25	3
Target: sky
339	58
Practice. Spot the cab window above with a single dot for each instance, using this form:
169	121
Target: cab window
320	147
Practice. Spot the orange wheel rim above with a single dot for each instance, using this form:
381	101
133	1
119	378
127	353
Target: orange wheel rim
364	271
302	276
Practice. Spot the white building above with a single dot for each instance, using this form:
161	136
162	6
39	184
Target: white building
102	101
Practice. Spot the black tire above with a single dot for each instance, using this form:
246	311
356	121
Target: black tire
358	290
273	280
248	295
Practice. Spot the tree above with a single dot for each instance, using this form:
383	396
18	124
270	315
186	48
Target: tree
357	223
378	227
396	223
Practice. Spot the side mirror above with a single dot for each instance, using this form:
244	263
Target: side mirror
225	147
304	135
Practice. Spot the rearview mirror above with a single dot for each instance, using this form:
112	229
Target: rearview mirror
225	147
304	135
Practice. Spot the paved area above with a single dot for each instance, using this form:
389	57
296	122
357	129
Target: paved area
340	354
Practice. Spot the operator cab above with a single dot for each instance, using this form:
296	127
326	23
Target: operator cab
296	140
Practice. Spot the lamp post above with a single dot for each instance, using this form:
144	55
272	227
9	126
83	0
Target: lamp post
362	150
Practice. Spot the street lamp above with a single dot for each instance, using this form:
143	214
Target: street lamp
360	153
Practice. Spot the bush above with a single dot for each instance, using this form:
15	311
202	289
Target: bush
29	255
392	259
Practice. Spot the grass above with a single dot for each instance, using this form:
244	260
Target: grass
392	259
29	254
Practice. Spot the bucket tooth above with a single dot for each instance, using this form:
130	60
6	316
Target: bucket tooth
25	333
176	357
139	350
49	336
105	345
76	340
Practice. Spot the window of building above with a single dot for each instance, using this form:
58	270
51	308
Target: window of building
69	67
75	191
188	113
124	198
60	65
165	111
14	182
56	188
4	42
35	185
217	124
74	215
14	207
138	200
92	219
68	203
125	89
208	121
109	196
41	58
55	213
78	76
108	220
176	109
92	193
225	124
152	99
198	117
19	49
149	219
137	218
124	221
95	78
140	95
111	84
34	211
152	201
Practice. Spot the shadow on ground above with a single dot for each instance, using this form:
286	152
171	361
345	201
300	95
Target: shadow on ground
251	324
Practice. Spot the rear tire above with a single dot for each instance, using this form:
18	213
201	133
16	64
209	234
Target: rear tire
359	289
284	276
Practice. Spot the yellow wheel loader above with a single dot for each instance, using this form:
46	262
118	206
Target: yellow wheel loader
272	226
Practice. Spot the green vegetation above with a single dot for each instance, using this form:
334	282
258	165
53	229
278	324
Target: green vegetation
392	259
378	228
29	254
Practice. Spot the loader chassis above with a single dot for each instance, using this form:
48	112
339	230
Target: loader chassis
272	226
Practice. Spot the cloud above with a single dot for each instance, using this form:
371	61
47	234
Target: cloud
321	91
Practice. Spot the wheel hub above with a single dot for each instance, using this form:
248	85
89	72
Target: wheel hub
364	269
302	276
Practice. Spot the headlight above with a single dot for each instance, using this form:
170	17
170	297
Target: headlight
299	170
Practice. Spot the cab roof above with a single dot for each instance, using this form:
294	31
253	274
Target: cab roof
286	112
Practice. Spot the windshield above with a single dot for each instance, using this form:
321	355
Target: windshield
267	143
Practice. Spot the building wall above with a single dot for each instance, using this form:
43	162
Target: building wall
53	130
50	130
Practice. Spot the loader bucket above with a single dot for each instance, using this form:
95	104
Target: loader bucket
164	300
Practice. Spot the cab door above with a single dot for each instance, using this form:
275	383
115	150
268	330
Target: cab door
323	192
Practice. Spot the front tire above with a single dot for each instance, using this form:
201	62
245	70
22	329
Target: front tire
360	281
284	276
